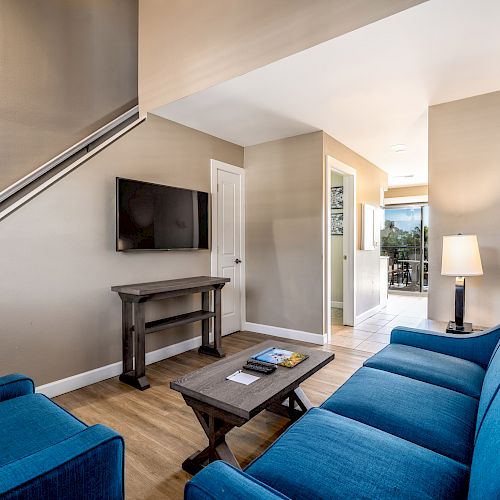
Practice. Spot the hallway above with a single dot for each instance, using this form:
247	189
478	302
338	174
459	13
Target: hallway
373	334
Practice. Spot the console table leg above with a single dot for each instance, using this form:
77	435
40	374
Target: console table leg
205	324
127	338
216	349
137	377
140	346
218	321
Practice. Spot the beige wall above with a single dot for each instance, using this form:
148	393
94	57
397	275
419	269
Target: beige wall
403	191
464	196
186	46
337	251
58	257
67	69
284	273
370	180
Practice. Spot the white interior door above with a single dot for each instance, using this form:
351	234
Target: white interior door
349	249
229	247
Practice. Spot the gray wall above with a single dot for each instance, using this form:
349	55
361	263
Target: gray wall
68	68
58	258
464	196
284	274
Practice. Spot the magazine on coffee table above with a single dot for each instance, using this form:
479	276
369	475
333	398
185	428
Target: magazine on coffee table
280	357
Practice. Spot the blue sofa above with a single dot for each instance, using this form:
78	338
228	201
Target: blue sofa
420	420
47	453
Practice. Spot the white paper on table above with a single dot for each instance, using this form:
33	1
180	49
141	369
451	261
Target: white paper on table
242	378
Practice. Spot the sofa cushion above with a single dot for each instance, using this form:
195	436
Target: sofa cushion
328	456
31	423
490	386
433	367
425	414
485	475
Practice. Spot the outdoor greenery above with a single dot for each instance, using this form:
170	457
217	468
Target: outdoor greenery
401	244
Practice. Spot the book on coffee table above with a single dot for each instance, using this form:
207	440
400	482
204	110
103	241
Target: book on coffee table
280	357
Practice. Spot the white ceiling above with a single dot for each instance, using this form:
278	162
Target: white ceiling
369	89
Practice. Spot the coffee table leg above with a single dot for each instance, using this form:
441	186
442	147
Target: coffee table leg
293	406
217	449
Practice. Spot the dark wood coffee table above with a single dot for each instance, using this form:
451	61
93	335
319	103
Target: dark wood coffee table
221	404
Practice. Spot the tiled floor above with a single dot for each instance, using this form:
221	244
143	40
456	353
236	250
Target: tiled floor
373	334
337	316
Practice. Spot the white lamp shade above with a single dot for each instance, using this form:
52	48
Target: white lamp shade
461	256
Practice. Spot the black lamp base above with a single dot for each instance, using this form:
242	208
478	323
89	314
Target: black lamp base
452	328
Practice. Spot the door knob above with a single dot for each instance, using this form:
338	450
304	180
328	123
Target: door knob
237	261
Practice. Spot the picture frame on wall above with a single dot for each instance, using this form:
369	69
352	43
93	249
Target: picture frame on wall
337	228
337	197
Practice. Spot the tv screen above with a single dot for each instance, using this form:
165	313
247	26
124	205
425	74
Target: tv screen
155	217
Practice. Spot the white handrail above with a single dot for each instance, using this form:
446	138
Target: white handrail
46	167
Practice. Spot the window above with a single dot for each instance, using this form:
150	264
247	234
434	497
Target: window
404	240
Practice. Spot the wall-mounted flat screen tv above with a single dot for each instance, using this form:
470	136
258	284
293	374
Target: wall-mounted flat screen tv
155	217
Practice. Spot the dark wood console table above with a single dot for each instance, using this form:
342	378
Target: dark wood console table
133	320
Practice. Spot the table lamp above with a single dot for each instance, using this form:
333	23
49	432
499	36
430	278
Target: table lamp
460	259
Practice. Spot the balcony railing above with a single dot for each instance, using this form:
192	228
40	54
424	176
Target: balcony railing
408	268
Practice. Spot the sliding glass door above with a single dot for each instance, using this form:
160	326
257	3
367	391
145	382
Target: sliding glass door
404	240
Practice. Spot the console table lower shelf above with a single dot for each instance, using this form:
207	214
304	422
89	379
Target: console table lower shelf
135	327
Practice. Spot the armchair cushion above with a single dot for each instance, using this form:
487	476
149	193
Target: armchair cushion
435	368
425	414
325	455
14	385
477	347
31	423
221	480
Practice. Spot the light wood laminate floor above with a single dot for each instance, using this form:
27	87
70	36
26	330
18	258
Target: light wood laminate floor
160	431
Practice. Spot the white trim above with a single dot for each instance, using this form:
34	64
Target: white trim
402	200
13	188
19	203
367	314
80	380
349	292
337	304
216	165
286	333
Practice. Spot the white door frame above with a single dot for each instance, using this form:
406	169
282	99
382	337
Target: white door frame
215	166
350	236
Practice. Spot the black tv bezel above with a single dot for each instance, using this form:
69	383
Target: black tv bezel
117	220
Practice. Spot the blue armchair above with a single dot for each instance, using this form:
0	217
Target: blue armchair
45	452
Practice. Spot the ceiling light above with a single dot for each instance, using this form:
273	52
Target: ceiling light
407	176
399	148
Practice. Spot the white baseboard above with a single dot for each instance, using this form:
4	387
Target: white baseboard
80	380
286	333
337	304
367	314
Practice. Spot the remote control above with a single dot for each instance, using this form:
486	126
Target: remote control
259	368
256	362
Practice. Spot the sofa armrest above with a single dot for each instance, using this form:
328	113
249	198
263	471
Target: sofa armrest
15	385
477	346
221	481
88	465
